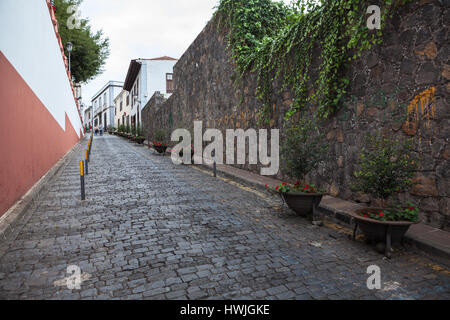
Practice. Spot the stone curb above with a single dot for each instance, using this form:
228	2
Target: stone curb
10	221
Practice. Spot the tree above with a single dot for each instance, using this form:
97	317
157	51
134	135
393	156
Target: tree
90	50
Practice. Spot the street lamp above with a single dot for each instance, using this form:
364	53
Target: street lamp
69	49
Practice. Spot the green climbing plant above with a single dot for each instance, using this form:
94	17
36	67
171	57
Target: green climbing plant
306	46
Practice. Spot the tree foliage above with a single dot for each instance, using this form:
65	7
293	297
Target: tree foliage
90	50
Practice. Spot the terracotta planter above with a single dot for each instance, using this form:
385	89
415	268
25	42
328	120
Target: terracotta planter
375	231
160	149
302	203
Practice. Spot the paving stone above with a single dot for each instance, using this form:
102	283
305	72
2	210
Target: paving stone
276	290
155	230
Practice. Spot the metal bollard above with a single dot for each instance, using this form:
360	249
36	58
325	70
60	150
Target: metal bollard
86	162
83	196
214	164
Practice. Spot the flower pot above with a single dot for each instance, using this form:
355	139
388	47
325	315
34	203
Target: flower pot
375	231
160	149
140	140
302	203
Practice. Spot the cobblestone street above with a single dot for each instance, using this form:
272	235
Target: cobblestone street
153	230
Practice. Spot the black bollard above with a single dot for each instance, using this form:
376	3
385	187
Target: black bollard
86	162
83	196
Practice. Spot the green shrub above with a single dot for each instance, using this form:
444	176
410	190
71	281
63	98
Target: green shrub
387	166
159	135
303	148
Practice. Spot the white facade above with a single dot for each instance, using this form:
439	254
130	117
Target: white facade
88	117
29	42
103	104
122	112
152	75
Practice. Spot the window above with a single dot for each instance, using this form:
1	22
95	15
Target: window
121	101
104	99
128	99
169	82
100	102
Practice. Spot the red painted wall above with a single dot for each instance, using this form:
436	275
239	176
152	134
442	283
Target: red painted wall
31	140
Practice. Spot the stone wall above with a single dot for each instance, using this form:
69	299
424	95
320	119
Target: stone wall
405	77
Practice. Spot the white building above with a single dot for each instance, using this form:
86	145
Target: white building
103	104
144	77
88	117
122	109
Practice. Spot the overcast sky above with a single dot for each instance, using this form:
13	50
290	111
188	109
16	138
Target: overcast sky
143	29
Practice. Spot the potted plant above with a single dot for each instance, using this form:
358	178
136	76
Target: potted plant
122	130
159	145
302	151
139	137
387	167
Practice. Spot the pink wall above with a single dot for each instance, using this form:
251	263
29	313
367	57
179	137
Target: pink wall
31	140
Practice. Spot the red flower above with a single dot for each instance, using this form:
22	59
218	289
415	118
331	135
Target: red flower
266	186
365	215
411	208
381	214
297	183
277	188
306	187
284	183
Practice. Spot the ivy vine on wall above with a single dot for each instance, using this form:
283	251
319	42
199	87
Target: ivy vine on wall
281	42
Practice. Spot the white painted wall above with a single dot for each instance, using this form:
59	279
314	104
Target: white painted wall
29	42
156	76
126	110
108	92
152	78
